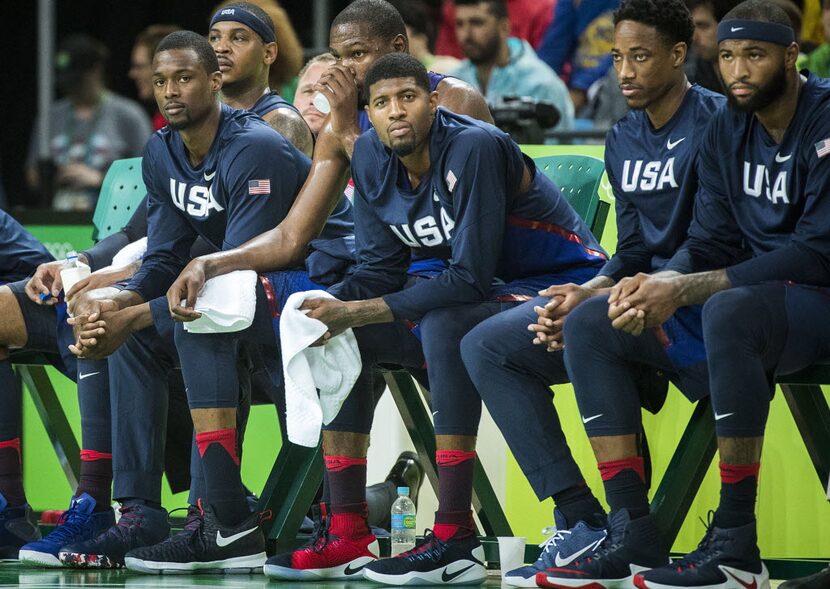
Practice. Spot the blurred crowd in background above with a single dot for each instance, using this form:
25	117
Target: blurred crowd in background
543	65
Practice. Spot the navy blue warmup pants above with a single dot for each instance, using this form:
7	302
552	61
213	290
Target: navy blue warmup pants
746	336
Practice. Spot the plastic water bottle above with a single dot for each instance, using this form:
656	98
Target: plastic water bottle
403	522
73	271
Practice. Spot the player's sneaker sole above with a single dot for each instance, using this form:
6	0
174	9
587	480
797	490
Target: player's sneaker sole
239	565
543	580
735	579
40	559
520	581
460	572
89	561
350	570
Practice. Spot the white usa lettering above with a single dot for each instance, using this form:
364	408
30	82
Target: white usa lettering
759	183
199	201
648	176
425	232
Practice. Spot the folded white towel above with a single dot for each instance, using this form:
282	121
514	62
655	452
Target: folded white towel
227	303
130	253
332	368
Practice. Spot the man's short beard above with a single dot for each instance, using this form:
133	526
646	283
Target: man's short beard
404	149
180	125
488	53
764	95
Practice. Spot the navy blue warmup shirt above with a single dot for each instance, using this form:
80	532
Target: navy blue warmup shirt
769	199
20	252
468	212
271	101
244	186
653	173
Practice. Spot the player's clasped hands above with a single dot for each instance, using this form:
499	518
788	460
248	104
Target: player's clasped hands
642	301
91	325
563	299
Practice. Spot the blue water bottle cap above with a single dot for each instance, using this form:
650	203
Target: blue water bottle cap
403	491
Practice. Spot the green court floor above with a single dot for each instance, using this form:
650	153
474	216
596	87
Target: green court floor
13	575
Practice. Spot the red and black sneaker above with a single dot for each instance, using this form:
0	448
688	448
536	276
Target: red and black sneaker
341	546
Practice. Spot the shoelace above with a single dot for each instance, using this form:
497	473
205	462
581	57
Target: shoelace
192	520
70	523
704	551
430	547
131	515
555	536
319	535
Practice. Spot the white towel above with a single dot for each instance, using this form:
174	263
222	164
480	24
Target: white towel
227	303
332	368
130	253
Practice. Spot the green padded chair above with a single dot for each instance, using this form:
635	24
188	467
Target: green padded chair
579	178
121	192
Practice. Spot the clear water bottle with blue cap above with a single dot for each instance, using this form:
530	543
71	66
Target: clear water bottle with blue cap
403	522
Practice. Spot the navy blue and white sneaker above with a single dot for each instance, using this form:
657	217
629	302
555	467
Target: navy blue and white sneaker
79	523
632	546
17	527
205	545
432	562
562	548
139	525
726	558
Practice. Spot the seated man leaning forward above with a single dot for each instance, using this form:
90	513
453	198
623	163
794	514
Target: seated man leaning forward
747	293
444	186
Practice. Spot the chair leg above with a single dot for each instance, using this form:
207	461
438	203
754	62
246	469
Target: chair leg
54	420
416	418
685	472
289	491
812	416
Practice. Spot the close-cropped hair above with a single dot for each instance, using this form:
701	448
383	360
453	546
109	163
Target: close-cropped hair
670	18
396	65
382	20
194	41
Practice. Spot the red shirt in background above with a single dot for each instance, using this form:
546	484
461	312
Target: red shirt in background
529	19
158	121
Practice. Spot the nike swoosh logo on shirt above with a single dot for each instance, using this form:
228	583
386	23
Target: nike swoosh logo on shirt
560	562
447	577
221	541
592	418
752	585
782	158
722	416
88	374
209	177
672	144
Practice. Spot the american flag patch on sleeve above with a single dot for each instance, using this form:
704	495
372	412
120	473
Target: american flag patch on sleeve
823	147
451	180
259	187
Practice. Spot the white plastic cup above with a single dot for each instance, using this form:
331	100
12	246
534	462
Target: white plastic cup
321	103
511	553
